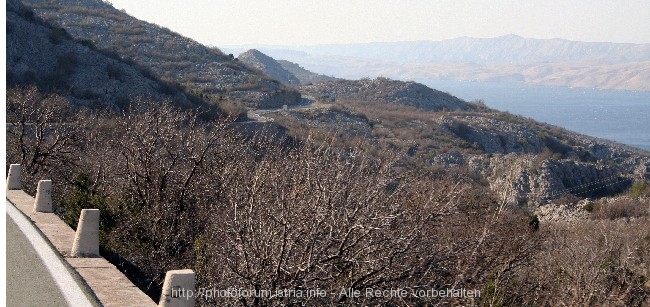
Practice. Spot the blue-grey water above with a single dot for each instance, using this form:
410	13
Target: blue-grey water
621	116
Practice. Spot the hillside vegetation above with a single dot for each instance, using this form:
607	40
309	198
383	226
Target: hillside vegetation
177	191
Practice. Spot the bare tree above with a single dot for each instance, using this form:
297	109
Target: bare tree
41	135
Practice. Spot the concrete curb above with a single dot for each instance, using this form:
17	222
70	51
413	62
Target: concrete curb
43	201
14	177
179	289
86	238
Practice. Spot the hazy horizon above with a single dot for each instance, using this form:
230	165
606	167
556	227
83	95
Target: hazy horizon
296	23
406	41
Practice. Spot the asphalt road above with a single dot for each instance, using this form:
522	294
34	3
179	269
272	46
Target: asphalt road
38	278
29	283
307	104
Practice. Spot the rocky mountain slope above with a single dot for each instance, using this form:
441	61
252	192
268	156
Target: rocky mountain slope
527	162
268	66
168	55
386	91
283	71
45	55
305	76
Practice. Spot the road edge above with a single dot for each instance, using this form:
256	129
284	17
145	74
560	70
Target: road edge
74	289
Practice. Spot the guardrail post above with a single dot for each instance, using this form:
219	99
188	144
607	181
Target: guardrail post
179	289
43	201
86	239
14	177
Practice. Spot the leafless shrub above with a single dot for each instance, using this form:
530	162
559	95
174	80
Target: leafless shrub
41	134
232	109
99	12
591	263
620	208
567	200
183	192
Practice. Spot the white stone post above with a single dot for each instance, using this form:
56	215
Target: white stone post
86	239
13	179
43	201
179	289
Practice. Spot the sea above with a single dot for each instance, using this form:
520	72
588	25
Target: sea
620	116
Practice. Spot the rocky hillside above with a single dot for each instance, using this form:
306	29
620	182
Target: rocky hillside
268	66
169	56
535	163
305	76
283	71
526	162
47	56
383	90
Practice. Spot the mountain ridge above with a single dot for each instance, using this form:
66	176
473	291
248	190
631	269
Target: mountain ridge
40	54
267	65
546	160
168	55
284	71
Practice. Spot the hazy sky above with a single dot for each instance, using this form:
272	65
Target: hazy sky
303	22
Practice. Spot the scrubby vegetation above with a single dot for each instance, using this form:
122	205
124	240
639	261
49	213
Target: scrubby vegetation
640	189
181	190
426	135
621	208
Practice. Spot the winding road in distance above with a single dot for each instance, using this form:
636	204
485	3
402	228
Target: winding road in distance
308	103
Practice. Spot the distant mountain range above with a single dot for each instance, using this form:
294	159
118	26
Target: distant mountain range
508	58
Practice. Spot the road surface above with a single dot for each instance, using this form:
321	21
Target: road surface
307	104
36	274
